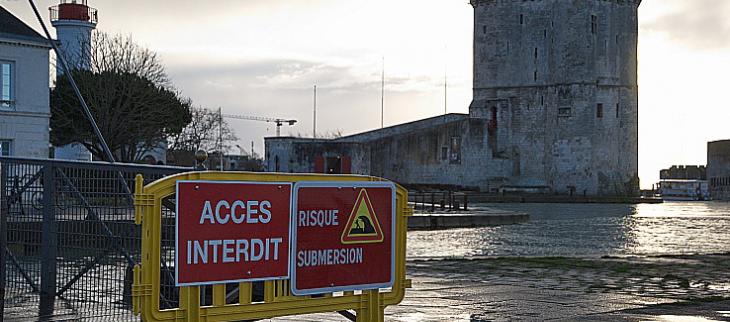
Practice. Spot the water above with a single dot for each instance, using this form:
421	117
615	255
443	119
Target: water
588	230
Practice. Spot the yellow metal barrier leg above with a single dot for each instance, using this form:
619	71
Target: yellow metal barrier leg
219	295
244	293
372	310
190	303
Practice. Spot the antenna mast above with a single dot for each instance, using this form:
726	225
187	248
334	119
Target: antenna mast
446	75
382	96
446	91
220	138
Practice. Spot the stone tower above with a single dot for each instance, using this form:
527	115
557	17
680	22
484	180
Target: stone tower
557	82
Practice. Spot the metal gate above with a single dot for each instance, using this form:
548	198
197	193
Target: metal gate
69	238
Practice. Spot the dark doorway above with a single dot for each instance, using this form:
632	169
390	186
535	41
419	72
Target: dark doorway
334	165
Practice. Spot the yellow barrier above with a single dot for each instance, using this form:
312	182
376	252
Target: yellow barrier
150	211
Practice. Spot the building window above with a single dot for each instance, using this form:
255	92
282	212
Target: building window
6	85
5	147
535	53
534	76
594	24
522	19
444	153
618	110
484	29
599	110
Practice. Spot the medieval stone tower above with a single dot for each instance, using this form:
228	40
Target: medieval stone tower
557	82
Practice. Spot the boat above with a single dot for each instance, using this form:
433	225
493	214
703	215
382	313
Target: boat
684	190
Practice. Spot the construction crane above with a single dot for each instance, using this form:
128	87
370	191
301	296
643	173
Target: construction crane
278	122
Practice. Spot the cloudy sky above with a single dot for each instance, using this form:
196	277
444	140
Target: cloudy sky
262	58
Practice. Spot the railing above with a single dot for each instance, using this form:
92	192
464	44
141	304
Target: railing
74	11
69	237
439	201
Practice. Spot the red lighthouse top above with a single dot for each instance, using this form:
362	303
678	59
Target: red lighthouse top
77	10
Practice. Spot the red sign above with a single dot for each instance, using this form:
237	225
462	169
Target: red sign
231	232
342	236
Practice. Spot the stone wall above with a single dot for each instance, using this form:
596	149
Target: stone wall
440	151
718	169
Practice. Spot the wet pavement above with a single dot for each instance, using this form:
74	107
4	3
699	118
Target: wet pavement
662	288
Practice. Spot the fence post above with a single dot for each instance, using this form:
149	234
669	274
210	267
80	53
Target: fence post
4	211
48	244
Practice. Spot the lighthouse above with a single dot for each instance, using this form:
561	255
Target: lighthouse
74	21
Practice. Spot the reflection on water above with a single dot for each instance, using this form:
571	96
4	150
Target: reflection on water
681	318
588	230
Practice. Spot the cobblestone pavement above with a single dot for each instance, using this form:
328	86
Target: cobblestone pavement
668	288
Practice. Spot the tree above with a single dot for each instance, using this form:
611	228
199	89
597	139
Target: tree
130	96
133	114
122	55
203	133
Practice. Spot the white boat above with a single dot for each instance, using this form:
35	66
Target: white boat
683	190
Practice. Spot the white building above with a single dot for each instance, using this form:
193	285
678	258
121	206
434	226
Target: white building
24	89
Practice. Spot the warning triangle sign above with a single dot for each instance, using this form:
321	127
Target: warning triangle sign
362	227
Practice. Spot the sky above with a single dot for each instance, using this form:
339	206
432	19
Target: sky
263	57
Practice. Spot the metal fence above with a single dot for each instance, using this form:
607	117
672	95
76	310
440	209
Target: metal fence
69	237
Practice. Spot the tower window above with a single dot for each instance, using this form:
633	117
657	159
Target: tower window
535	53
544	34
599	111
484	29
535	75
594	24
522	19
618	110
565	112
